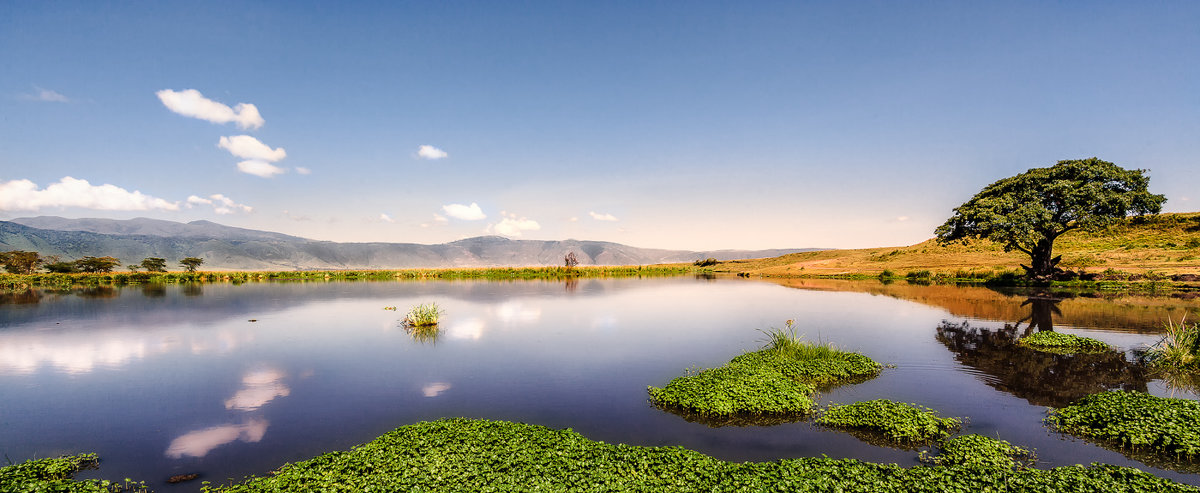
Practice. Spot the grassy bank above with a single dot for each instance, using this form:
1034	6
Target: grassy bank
1150	248
17	281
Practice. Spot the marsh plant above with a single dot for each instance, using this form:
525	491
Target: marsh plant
423	315
1134	420
1058	342
1178	350
981	452
895	421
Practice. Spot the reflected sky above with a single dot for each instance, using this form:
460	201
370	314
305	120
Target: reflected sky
180	381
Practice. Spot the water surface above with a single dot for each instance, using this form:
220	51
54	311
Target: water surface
233	380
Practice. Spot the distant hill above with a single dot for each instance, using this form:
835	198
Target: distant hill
1166	244
229	248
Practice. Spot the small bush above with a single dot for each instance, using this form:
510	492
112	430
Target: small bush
706	262
1179	349
896	421
1058	342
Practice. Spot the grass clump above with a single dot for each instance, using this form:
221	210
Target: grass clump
894	421
57	475
980	451
1058	342
423	315
778	379
1134	420
1178	350
479	455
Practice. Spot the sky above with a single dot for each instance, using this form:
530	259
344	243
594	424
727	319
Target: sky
684	125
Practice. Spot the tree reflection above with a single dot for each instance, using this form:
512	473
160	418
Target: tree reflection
26	297
1042	310
1043	379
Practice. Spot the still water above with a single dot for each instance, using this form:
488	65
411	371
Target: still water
234	380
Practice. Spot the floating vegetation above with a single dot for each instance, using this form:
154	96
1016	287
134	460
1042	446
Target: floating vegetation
980	451
1060	343
894	421
57	475
775	382
423	315
480	455
1135	421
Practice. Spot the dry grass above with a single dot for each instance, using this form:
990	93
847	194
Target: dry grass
1165	244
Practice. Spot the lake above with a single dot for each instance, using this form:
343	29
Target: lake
232	380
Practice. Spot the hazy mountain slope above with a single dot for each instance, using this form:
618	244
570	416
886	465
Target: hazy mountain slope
224	247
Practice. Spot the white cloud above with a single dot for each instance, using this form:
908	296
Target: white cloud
194	200
190	102
45	95
24	195
200	442
303	171
511	225
245	146
386	218
465	212
602	217
430	152
259	168
221	204
902	218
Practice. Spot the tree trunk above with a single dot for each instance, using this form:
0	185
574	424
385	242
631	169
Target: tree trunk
1042	265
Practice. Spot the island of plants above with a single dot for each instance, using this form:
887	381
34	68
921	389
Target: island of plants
1060	343
982	452
480	455
905	424
1136	421
778	380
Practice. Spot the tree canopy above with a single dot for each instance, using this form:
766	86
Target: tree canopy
1027	212
191	263
154	264
97	264
21	262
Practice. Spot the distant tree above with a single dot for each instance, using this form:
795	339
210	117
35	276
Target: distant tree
1027	212
60	267
133	268
571	260
21	262
154	264
97	265
191	263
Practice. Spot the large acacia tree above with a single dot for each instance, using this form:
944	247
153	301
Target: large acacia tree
1027	212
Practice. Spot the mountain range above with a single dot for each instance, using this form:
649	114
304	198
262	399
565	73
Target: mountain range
230	248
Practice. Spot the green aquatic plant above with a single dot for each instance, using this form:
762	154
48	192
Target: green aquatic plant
423	315
894	421
776	380
978	451
478	455
1058	342
1134	420
1179	348
57	475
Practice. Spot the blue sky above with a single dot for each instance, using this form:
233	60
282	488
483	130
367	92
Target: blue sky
690	125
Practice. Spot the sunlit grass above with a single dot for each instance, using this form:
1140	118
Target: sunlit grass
423	315
1179	349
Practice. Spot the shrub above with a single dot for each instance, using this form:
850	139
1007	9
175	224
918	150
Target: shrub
710	261
1179	349
895	421
424	315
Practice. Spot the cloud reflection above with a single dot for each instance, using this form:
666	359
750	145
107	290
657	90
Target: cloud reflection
512	312
75	353
258	388
435	389
471	328
200	442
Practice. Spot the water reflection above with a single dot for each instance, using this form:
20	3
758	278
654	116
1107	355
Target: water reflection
26	297
200	442
435	389
1043	379
258	388
1042	310
154	290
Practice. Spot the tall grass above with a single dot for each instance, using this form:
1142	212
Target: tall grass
1179	349
423	315
787	343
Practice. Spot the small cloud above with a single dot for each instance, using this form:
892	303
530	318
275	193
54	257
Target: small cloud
574	219
303	171
430	152
512	225
191	103
245	146
1184	199
24	195
259	168
465	212
221	204
438	220
435	389
45	95
386	218
602	217
902	218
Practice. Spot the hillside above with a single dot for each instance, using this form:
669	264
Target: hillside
1165	244
228	248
